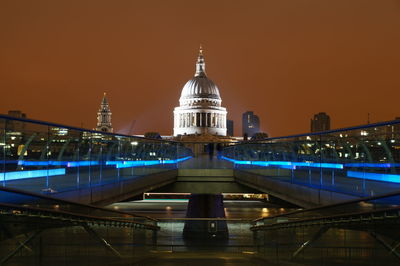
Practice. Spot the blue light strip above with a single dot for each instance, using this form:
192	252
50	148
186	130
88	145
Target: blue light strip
61	171
291	165
375	176
31	174
316	165
183	159
82	163
363	175
34	163
319	165
58	163
235	161
126	164
287	164
10	161
118	164
373	165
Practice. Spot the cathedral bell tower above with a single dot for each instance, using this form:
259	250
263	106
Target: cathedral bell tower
104	116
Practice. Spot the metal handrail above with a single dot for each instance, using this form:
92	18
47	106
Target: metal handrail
45	123
386	123
260	227
204	219
32	194
73	215
391	194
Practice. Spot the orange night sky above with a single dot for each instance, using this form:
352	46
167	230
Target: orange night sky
285	60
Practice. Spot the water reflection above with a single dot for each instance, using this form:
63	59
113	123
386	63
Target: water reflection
234	209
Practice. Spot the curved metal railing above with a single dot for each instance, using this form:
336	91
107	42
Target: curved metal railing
362	160
49	157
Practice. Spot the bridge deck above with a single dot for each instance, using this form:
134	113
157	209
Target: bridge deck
204	162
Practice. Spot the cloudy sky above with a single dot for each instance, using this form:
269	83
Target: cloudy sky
285	60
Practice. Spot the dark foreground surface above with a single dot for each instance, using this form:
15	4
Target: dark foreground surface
201	259
74	246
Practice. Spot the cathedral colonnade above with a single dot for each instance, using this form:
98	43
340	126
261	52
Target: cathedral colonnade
200	119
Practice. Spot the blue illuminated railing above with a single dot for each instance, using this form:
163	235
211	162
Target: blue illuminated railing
42	156
363	160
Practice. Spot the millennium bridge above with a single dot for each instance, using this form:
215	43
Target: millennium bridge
62	188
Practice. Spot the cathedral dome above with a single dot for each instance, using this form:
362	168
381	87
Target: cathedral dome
200	90
200	87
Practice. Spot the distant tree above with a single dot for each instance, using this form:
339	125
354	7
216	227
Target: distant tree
259	136
152	135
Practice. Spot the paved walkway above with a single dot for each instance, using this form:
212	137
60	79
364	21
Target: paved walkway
205	162
201	259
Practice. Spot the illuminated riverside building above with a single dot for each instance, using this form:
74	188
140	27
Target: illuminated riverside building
200	110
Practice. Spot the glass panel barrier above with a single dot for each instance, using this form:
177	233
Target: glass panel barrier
360	161
25	144
63	148
50	158
13	197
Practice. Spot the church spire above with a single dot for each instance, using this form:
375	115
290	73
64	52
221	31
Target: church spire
200	64
104	116
104	101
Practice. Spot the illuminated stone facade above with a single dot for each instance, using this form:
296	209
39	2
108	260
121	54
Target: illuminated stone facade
104	116
200	110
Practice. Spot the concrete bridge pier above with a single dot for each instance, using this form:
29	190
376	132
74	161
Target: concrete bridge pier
206	206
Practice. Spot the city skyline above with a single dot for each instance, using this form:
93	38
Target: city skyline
285	61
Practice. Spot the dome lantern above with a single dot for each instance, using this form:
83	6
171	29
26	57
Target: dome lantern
200	65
